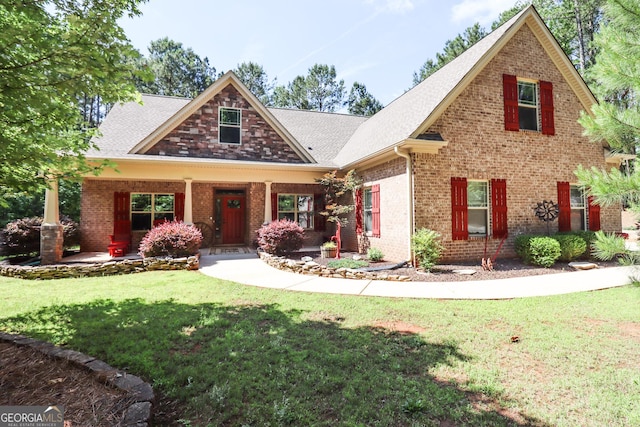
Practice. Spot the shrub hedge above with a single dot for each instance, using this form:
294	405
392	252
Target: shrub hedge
280	237
171	239
537	250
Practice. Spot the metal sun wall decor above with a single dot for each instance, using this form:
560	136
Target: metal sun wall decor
547	211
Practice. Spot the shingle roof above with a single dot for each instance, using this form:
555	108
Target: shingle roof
402	117
322	134
128	124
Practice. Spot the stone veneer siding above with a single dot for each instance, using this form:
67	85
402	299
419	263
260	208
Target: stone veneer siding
96	222
479	148
198	135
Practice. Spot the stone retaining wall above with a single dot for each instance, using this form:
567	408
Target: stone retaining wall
111	268
314	269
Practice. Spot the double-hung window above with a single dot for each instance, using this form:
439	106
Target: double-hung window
478	206
229	125
149	209
297	208
578	208
367	211
528	105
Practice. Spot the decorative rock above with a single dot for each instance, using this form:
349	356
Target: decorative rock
583	265
465	272
306	259
357	257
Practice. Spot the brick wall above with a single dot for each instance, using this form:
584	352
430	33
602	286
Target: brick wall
198	135
96	222
394	219
480	148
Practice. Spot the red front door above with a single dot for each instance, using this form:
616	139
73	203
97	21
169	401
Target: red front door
232	219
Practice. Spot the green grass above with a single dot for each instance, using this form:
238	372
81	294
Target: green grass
227	354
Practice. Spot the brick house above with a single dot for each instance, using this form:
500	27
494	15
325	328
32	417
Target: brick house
467	152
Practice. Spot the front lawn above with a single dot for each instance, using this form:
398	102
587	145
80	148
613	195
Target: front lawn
219	353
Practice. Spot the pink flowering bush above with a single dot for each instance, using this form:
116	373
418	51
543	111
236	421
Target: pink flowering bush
171	239
280	237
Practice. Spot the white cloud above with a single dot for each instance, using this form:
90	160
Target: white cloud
482	11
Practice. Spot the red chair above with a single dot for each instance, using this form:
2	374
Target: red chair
120	239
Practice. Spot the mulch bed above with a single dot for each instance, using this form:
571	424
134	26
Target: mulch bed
30	378
503	268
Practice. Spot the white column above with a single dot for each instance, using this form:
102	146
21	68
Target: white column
188	202
267	202
51	209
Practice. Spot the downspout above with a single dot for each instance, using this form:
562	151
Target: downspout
410	204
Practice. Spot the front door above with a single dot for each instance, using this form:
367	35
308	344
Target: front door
232	219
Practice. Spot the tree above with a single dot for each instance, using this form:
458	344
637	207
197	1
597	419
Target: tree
452	49
52	54
255	78
617	118
361	102
319	90
177	71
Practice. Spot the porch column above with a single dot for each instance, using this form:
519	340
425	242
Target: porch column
188	205
51	236
267	202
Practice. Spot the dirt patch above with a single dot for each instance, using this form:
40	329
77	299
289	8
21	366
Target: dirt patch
503	268
27	377
630	330
401	327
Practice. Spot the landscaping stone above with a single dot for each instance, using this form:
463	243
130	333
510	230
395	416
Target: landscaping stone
583	265
314	269
110	268
465	272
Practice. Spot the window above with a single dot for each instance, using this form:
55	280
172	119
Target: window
528	105
297	208
478	205
578	208
148	209
367	211
470	208
230	120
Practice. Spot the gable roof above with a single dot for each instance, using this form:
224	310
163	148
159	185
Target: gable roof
412	113
339	140
229	78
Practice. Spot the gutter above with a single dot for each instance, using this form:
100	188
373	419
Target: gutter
410	203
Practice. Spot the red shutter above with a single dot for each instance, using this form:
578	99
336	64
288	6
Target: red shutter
594	215
510	93
319	221
499	207
274	206
179	207
459	210
359	213
121	217
375	210
546	108
564	206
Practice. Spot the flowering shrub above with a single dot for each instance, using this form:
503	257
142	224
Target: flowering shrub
171	239
280	237
22	236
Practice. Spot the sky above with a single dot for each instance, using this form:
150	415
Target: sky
379	43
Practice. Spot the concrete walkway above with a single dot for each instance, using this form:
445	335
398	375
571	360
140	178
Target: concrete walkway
251	270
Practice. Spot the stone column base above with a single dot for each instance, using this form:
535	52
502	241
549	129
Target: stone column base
51	242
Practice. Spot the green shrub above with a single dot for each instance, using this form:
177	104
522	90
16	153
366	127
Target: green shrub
588	236
171	239
608	246
375	255
572	246
347	263
280	237
426	246
537	250
544	251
